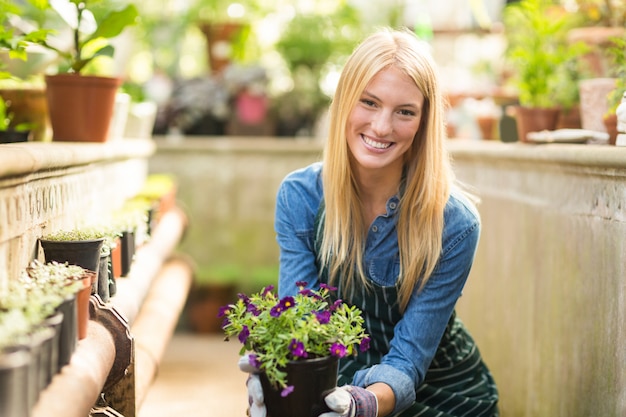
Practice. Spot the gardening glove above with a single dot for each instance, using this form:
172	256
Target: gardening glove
351	401
255	391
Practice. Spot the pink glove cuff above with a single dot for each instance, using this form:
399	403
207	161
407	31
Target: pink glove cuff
365	402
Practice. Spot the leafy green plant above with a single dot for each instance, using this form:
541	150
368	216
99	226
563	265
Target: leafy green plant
539	54
6	119
84	233
617	56
91	23
308	325
33	297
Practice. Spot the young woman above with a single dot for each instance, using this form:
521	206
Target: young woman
382	219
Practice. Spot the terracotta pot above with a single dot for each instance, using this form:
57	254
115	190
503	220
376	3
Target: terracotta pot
204	303
610	123
570	119
219	37
311	378
82	304
116	258
531	119
81	107
29	105
598	39
594	102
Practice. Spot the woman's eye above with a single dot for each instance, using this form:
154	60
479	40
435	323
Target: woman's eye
407	112
368	102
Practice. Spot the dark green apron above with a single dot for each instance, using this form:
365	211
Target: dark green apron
457	382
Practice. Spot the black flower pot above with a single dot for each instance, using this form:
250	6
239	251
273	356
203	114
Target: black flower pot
103	278
128	251
37	344
55	322
14	136
45	339
68	334
312	379
14	368
84	253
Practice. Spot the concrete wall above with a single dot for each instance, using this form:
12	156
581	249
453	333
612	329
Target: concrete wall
45	187
547	296
228	188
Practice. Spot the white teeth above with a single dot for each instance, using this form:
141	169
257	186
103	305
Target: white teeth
377	145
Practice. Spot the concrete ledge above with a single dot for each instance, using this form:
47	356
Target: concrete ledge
31	157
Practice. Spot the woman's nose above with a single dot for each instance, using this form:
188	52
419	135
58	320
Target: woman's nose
381	123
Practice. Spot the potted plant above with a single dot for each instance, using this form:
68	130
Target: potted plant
227	29
81	247
30	322
539	54
310	44
9	131
617	58
295	343
14	364
62	282
597	23
81	115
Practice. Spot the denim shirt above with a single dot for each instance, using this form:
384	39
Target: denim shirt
419	331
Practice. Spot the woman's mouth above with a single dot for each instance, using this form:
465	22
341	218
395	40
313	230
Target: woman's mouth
376	144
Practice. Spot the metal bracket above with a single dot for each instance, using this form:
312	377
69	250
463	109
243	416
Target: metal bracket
117	325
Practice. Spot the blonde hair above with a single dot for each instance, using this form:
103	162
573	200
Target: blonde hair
427	168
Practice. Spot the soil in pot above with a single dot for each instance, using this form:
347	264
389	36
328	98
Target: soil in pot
312	380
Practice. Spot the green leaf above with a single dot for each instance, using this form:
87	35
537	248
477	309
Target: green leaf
115	22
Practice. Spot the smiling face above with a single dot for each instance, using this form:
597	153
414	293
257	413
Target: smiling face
383	124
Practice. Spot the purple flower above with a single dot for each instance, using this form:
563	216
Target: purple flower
223	310
267	290
244	298
284	304
252	308
306	292
322	316
365	344
297	349
243	335
286	391
254	361
225	322
301	284
338	350
328	287
336	305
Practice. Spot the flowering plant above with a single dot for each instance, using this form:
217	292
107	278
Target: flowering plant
308	325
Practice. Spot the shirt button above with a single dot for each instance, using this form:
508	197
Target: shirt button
392	205
374	229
